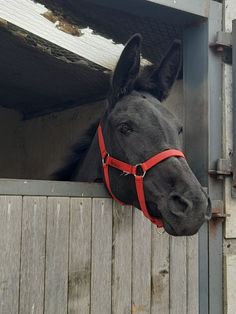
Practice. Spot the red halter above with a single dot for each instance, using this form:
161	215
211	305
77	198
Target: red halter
107	161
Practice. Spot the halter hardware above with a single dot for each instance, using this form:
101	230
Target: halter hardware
104	159
138	171
137	168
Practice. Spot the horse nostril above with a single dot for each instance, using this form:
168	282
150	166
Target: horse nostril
178	205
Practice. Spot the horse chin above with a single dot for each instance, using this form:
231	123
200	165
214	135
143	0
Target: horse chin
154	210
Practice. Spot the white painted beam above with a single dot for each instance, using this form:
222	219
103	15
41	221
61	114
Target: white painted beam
28	15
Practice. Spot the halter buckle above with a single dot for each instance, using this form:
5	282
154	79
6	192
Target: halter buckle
139	173
104	159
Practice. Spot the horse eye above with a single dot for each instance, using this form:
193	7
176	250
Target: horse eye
125	129
180	130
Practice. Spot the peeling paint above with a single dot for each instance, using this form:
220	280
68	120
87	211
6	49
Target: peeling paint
3	22
49	15
62	24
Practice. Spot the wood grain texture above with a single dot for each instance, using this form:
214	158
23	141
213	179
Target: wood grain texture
122	259
230	275
56	279
101	256
10	235
178	293
33	255
80	256
192	275
91	256
141	283
160	272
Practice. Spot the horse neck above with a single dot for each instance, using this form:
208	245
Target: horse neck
91	167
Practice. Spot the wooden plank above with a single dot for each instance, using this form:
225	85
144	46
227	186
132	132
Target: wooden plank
10	241
101	256
80	256
228	92
51	188
178	293
192	275
33	255
198	7
230	275
141	284
122	259
56	278
160	272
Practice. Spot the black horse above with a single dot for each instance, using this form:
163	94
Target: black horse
136	127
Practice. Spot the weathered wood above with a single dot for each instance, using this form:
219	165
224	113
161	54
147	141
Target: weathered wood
230	275
122	259
160	272
192	275
80	256
74	238
228	108
56	279
10	240
178	293
51	188
141	284
33	255
101	256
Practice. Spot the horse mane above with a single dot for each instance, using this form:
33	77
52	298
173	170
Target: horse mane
78	152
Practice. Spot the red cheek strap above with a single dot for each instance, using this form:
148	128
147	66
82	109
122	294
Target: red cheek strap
134	170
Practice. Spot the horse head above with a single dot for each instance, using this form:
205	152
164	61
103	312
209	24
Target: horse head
136	126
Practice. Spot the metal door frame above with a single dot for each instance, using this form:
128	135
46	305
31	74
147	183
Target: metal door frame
203	141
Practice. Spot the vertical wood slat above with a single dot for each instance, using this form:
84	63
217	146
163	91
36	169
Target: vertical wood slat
141	283
160	272
192	275
178	284
56	279
150	257
80	256
10	242
101	256
122	259
33	255
230	291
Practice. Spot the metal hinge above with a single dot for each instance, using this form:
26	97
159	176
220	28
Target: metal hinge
223	45
218	209
223	169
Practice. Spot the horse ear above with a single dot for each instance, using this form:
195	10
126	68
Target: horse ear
127	69
158	81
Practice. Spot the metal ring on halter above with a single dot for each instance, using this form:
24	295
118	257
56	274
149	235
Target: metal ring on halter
139	166
104	159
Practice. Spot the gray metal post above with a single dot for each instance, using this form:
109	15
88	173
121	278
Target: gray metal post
202	84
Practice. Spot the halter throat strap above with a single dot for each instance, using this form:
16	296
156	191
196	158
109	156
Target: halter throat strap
138	171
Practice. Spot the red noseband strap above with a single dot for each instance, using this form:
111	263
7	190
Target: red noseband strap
138	171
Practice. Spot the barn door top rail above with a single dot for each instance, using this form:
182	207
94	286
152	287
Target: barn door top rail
51	188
